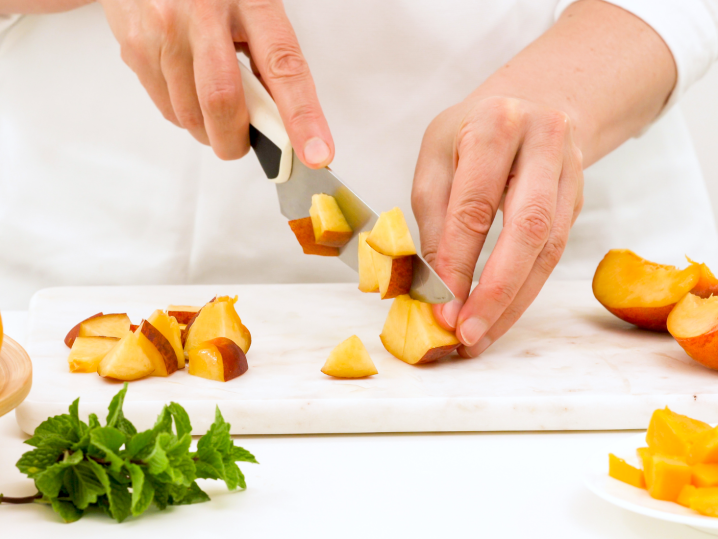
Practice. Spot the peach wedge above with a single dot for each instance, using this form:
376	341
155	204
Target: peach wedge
390	235
349	359
218	359
694	325
328	223
304	231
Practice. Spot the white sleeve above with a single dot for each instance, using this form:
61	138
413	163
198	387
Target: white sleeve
688	27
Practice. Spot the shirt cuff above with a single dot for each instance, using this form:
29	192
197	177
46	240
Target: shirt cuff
688	27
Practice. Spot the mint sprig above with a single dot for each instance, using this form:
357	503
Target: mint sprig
79	466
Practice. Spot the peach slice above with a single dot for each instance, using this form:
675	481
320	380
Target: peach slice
390	235
395	275
328	222
74	332
157	348
127	360
672	434
304	231
218	359
349	359
393	336
182	313
640	292
668	477
87	352
168	326
368	281
707	285
426	340
218	319
106	325
694	325
621	470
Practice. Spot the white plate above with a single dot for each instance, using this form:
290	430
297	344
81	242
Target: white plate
637	499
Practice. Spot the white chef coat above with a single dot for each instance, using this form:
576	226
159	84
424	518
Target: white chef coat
97	188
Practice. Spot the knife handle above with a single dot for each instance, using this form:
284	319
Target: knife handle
267	135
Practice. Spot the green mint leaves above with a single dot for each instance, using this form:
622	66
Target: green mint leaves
78	466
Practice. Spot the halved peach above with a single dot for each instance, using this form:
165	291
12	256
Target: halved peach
106	325
218	319
218	359
87	352
127	360
349	359
694	325
168	326
157	348
640	292
74	332
368	281
182	313
304	231
390	235
328	222
394	275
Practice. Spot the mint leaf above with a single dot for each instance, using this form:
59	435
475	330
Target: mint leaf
38	460
57	432
241	454
209	463
125	427
179	447
115	408
142	491
93	422
78	426
233	477
182	423
157	460
108	441
83	485
67	511
120	500
164	422
139	443
217	436
194	494
49	482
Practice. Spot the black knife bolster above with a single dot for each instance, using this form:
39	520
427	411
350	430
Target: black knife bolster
268	153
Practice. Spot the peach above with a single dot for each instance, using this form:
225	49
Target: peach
168	326
218	359
127	360
640	292
87	352
694	325
328	222
218	318
390	235
668	477
183	313
672	434
304	231
349	359
157	348
368	281
621	470
705	501
106	325
74	332
394	275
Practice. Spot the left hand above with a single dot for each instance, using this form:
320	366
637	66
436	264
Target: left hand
474	156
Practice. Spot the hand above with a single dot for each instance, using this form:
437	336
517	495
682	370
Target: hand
474	156
184	53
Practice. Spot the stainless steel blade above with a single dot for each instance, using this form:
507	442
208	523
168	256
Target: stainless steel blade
295	198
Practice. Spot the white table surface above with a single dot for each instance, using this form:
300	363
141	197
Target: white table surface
493	485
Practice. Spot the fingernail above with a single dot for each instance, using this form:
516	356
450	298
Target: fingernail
471	330
316	151
450	312
482	346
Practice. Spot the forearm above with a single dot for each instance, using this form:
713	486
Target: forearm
604	67
9	7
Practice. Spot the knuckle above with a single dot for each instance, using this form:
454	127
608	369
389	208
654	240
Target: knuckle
501	293
475	216
161	17
505	115
132	50
285	62
190	120
551	254
534	227
303	114
220	99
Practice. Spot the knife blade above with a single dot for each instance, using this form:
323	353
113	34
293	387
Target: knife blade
296	183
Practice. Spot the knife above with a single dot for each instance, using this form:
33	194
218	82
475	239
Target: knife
296	183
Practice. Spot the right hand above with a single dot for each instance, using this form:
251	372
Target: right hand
184	53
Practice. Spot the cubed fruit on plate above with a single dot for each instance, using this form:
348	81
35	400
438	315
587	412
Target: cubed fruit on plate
328	222
218	359
218	318
640	292
106	325
304	231
350	359
127	360
619	469
693	323
87	352
672	434
390	235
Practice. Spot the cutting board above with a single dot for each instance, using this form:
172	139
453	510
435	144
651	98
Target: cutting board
566	365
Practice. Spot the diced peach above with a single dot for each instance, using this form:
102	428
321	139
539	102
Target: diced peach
641	292
218	359
87	352
157	348
705	501
75	331
368	281
106	325
218	319
684	497
349	359
328	222
127	360
645	454
183	313
390	235
395	275
426	340
672	434
304	231
168	326
393	336
705	475
668	477
621	470
704	448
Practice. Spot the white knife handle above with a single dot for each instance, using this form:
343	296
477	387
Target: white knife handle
267	135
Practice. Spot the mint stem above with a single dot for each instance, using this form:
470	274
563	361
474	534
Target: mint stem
17	501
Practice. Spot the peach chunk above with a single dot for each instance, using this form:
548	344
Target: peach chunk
349	359
705	501
183	313
621	470
395	275
218	359
157	348
106	325
640	292
707	284
393	336
668	477
684	497
328	222
705	475
168	326
87	352
646	456
218	318
75	331
127	360
704	448
672	434
694	325
304	231
390	235
368	281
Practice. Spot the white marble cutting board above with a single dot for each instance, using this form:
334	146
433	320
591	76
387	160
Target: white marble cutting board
567	365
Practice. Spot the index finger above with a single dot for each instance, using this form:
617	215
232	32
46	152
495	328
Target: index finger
279	59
